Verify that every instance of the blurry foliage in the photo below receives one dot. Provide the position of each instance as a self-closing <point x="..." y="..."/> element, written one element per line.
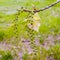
<point x="6" y="55"/>
<point x="55" y="52"/>
<point x="2" y="34"/>
<point x="50" y="24"/>
<point x="43" y="54"/>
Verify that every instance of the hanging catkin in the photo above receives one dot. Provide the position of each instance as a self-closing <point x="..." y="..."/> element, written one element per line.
<point x="33" y="28"/>
<point x="15" y="27"/>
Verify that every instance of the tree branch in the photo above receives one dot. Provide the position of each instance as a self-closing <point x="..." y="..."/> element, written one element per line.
<point x="47" y="7"/>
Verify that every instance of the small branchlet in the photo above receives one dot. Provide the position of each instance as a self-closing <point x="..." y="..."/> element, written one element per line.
<point x="42" y="9"/>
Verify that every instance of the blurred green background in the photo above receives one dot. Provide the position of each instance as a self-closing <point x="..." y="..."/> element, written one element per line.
<point x="50" y="26"/>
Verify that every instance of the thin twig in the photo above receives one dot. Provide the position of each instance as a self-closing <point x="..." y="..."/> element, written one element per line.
<point x="47" y="7"/>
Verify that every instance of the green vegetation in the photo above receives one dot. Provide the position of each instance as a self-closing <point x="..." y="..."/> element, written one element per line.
<point x="6" y="55"/>
<point x="13" y="30"/>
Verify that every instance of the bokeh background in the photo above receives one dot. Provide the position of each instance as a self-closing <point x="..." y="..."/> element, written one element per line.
<point x="14" y="42"/>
